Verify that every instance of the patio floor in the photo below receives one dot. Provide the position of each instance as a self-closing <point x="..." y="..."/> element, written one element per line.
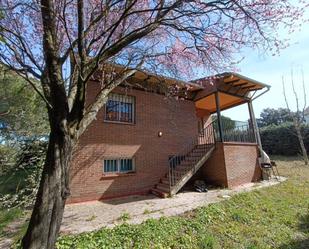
<point x="90" y="216"/>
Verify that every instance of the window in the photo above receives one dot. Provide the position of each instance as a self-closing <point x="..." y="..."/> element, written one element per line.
<point x="119" y="108"/>
<point x="122" y="165"/>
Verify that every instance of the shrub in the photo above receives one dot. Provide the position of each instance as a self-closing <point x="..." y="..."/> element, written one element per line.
<point x="24" y="177"/>
<point x="282" y="139"/>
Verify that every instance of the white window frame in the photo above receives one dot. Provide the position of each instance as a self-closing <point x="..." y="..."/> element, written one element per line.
<point x="118" y="160"/>
<point x="121" y="98"/>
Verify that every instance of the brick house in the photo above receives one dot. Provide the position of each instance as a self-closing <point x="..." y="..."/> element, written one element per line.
<point x="143" y="141"/>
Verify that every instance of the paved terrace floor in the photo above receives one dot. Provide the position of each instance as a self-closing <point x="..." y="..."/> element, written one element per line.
<point x="90" y="216"/>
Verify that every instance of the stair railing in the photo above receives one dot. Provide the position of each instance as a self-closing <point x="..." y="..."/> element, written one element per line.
<point x="205" y="140"/>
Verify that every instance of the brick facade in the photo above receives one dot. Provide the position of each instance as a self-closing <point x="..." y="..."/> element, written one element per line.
<point x="230" y="164"/>
<point x="241" y="163"/>
<point x="175" y="119"/>
<point x="214" y="171"/>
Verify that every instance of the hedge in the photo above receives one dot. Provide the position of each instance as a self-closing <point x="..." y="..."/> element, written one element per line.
<point x="282" y="139"/>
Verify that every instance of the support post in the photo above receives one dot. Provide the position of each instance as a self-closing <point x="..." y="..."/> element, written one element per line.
<point x="254" y="124"/>
<point x="219" y="117"/>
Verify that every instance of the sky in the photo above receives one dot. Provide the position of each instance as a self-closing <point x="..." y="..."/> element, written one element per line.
<point x="270" y="69"/>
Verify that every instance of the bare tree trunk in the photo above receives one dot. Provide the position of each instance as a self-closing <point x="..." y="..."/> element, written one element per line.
<point x="47" y="213"/>
<point x="301" y="143"/>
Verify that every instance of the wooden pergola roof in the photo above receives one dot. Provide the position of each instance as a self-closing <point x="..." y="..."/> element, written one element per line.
<point x="233" y="89"/>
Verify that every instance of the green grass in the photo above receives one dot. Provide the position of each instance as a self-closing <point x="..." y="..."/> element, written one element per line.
<point x="275" y="217"/>
<point x="7" y="216"/>
<point x="9" y="184"/>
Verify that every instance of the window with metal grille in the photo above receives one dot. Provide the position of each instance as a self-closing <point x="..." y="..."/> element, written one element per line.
<point x="119" y="108"/>
<point x="120" y="165"/>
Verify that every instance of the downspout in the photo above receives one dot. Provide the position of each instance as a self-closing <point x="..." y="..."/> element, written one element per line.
<point x="255" y="126"/>
<point x="268" y="88"/>
<point x="254" y="123"/>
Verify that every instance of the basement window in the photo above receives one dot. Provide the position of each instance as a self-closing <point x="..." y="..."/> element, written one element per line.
<point x="120" y="165"/>
<point x="119" y="108"/>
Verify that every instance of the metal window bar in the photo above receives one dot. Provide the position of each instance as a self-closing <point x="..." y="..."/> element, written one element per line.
<point x="118" y="165"/>
<point x="119" y="108"/>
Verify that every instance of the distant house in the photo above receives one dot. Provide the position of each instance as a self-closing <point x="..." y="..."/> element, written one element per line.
<point x="143" y="141"/>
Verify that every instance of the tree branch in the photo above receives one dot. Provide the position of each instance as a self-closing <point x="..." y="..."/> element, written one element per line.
<point x="92" y="109"/>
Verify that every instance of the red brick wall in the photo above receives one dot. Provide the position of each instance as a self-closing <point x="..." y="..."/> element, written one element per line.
<point x="176" y="119"/>
<point x="241" y="163"/>
<point x="232" y="164"/>
<point x="214" y="171"/>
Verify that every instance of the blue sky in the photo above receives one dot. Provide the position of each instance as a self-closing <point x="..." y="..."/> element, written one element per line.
<point x="270" y="69"/>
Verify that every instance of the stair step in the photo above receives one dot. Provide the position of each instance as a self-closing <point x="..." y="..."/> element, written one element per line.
<point x="165" y="181"/>
<point x="163" y="187"/>
<point x="184" y="168"/>
<point x="190" y="160"/>
<point x="181" y="173"/>
<point x="159" y="193"/>
<point x="202" y="148"/>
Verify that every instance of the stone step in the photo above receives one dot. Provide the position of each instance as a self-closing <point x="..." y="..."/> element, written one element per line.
<point x="165" y="180"/>
<point x="159" y="193"/>
<point x="163" y="187"/>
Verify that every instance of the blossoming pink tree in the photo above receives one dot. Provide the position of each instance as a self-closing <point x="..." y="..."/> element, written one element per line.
<point x="65" y="43"/>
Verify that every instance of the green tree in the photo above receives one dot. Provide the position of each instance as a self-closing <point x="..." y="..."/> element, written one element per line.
<point x="271" y="116"/>
<point x="22" y="111"/>
<point x="23" y="118"/>
<point x="227" y="123"/>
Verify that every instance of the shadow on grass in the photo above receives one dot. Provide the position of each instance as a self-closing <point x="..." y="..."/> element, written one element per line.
<point x="303" y="242"/>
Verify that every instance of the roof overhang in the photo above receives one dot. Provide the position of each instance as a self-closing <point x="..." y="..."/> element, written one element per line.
<point x="233" y="89"/>
<point x="148" y="81"/>
<point x="157" y="79"/>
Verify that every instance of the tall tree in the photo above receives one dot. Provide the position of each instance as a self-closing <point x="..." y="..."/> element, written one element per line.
<point x="298" y="117"/>
<point x="66" y="43"/>
<point x="22" y="113"/>
<point x="270" y="116"/>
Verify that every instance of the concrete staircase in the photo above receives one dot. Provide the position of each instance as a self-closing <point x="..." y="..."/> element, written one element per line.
<point x="181" y="173"/>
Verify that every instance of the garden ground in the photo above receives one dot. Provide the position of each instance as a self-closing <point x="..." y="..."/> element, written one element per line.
<point x="274" y="217"/>
<point x="90" y="216"/>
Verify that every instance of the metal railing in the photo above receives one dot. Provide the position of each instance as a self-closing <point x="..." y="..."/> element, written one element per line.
<point x="231" y="132"/>
<point x="243" y="133"/>
<point x="191" y="154"/>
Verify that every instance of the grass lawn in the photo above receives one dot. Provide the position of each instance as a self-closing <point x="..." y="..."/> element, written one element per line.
<point x="7" y="216"/>
<point x="275" y="217"/>
<point x="10" y="183"/>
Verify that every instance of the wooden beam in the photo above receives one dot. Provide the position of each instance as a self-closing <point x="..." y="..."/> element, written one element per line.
<point x="248" y="87"/>
<point x="238" y="86"/>
<point x="232" y="81"/>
